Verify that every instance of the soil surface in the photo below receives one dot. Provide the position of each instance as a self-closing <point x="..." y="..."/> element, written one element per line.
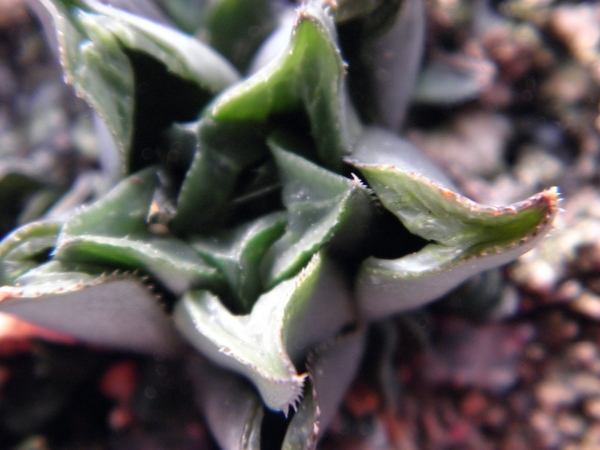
<point x="522" y="375"/>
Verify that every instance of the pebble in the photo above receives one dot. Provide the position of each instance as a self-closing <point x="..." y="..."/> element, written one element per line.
<point x="584" y="352"/>
<point x="570" y="424"/>
<point x="587" y="304"/>
<point x="592" y="408"/>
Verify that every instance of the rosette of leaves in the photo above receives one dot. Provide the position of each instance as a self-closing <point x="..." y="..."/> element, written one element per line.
<point x="265" y="194"/>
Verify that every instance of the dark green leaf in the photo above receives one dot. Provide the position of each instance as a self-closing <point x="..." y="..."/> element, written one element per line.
<point x="113" y="232"/>
<point x="331" y="368"/>
<point x="92" y="37"/>
<point x="237" y="253"/>
<point x="224" y="151"/>
<point x="384" y="57"/>
<point x="307" y="76"/>
<point x="319" y="203"/>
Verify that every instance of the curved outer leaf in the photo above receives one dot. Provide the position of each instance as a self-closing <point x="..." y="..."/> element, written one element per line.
<point x="307" y="75"/>
<point x="115" y="312"/>
<point x="467" y="238"/>
<point x="182" y="54"/>
<point x="318" y="203"/>
<point x="233" y="410"/>
<point x="284" y="323"/>
<point x="21" y="250"/>
<point x="113" y="232"/>
<point x="95" y="64"/>
<point x="331" y="367"/>
<point x="98" y="70"/>
<point x="237" y="253"/>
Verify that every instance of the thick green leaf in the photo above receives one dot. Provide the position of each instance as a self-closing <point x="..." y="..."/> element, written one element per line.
<point x="466" y="238"/>
<point x="283" y="324"/>
<point x="113" y="232"/>
<point x="225" y="151"/>
<point x="237" y="253"/>
<point x="25" y="248"/>
<point x="182" y="54"/>
<point x="92" y="38"/>
<point x="116" y="312"/>
<point x="98" y="70"/>
<point x="320" y="205"/>
<point x="307" y="76"/>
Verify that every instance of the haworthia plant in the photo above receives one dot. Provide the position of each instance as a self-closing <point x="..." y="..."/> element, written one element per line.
<point x="259" y="207"/>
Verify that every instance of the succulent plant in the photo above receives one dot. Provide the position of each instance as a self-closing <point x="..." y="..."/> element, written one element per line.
<point x="259" y="183"/>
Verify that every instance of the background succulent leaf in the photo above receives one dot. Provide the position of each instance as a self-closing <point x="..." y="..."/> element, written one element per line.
<point x="98" y="315"/>
<point x="25" y="248"/>
<point x="384" y="65"/>
<point x="303" y="430"/>
<point x="307" y="76"/>
<point x="187" y="14"/>
<point x="232" y="408"/>
<point x="346" y="10"/>
<point x="237" y="254"/>
<point x="441" y="83"/>
<point x="124" y="240"/>
<point x="331" y="367"/>
<point x="318" y="203"/>
<point x="466" y="238"/>
<point x="276" y="42"/>
<point x="378" y="146"/>
<point x="281" y="327"/>
<point x="236" y="28"/>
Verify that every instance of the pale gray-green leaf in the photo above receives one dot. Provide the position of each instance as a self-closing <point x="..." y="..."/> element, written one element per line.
<point x="118" y="313"/>
<point x="283" y="324"/>
<point x="229" y="404"/>
<point x="114" y="232"/>
<point x="466" y="238"/>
